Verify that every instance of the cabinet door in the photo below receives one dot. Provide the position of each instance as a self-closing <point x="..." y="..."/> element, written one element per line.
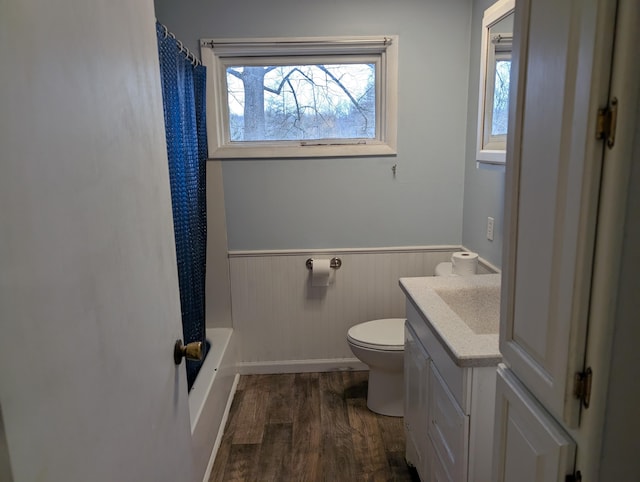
<point x="416" y="362"/>
<point x="448" y="428"/>
<point x="530" y="446"/>
<point x="553" y="172"/>
<point x="437" y="473"/>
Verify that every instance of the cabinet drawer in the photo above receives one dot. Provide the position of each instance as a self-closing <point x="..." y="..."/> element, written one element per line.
<point x="448" y="428"/>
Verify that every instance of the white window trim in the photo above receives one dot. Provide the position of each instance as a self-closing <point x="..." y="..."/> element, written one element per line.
<point x="214" y="51"/>
<point x="486" y="151"/>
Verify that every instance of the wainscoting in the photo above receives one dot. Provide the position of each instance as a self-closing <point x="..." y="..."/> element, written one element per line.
<point x="283" y="324"/>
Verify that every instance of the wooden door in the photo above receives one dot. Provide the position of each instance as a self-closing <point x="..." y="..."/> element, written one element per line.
<point x="89" y="302"/>
<point x="560" y="75"/>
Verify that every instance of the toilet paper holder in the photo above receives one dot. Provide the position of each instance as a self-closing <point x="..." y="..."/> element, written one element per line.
<point x="335" y="263"/>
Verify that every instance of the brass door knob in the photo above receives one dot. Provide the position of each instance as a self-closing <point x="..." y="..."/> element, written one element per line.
<point x="190" y="351"/>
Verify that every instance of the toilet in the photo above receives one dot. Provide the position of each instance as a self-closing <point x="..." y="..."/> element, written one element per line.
<point x="380" y="345"/>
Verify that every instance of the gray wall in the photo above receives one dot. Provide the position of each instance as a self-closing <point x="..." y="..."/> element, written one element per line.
<point x="354" y="202"/>
<point x="620" y="446"/>
<point x="484" y="184"/>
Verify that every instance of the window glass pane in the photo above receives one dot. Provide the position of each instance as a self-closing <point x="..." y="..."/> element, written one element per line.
<point x="301" y="102"/>
<point x="499" y="119"/>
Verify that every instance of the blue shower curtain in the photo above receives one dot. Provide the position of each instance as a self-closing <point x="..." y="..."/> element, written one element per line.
<point x="183" y="95"/>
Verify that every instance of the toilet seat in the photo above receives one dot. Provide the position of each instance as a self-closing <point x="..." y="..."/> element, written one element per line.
<point x="385" y="334"/>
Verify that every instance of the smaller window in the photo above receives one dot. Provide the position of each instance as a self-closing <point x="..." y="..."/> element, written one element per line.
<point x="301" y="97"/>
<point x="497" y="90"/>
<point x="495" y="71"/>
<point x="500" y="108"/>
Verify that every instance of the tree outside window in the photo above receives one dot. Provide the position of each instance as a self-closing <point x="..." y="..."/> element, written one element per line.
<point x="291" y="102"/>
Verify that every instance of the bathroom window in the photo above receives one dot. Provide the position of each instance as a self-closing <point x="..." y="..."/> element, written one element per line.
<point x="302" y="97"/>
<point x="497" y="91"/>
<point x="495" y="71"/>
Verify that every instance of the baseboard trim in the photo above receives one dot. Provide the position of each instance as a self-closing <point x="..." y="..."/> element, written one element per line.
<point x="491" y="268"/>
<point x="223" y="424"/>
<point x="300" y="366"/>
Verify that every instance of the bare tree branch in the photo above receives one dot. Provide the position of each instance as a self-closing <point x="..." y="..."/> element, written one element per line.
<point x="345" y="90"/>
<point x="235" y="73"/>
<point x="295" y="98"/>
<point x="285" y="79"/>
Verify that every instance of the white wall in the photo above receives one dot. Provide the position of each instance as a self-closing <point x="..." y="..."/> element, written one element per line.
<point x="353" y="202"/>
<point x="483" y="185"/>
<point x="217" y="284"/>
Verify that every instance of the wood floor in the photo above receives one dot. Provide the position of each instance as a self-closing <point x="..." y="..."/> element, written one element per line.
<point x="309" y="427"/>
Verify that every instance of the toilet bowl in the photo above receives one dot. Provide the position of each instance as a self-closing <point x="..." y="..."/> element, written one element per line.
<point x="380" y="345"/>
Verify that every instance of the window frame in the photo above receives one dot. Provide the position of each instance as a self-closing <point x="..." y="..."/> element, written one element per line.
<point x="216" y="54"/>
<point x="490" y="150"/>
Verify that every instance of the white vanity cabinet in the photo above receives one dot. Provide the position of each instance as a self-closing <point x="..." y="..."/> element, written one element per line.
<point x="449" y="408"/>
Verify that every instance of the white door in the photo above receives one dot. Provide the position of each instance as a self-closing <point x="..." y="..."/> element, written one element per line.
<point x="89" y="303"/>
<point x="530" y="445"/>
<point x="553" y="174"/>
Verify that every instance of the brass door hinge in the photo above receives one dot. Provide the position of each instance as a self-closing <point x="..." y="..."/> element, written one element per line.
<point x="582" y="386"/>
<point x="577" y="477"/>
<point x="606" y="123"/>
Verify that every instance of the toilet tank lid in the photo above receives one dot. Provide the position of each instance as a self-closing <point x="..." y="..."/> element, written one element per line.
<point x="384" y="332"/>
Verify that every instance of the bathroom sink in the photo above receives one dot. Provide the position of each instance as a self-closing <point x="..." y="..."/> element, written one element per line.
<point x="477" y="306"/>
<point x="462" y="312"/>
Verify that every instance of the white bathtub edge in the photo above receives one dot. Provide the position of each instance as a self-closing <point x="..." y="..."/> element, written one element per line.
<point x="208" y="399"/>
<point x="223" y="424"/>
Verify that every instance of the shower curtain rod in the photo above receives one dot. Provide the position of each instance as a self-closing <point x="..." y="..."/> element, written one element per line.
<point x="188" y="53"/>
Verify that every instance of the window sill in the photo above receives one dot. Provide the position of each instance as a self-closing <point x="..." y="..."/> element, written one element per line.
<point x="486" y="156"/>
<point x="270" y="151"/>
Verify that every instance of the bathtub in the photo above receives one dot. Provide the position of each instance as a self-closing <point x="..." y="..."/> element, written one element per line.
<point x="210" y="399"/>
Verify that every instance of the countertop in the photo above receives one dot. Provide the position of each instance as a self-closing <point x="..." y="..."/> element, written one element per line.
<point x="467" y="347"/>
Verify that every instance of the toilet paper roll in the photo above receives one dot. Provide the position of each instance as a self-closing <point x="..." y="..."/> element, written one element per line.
<point x="320" y="272"/>
<point x="464" y="263"/>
